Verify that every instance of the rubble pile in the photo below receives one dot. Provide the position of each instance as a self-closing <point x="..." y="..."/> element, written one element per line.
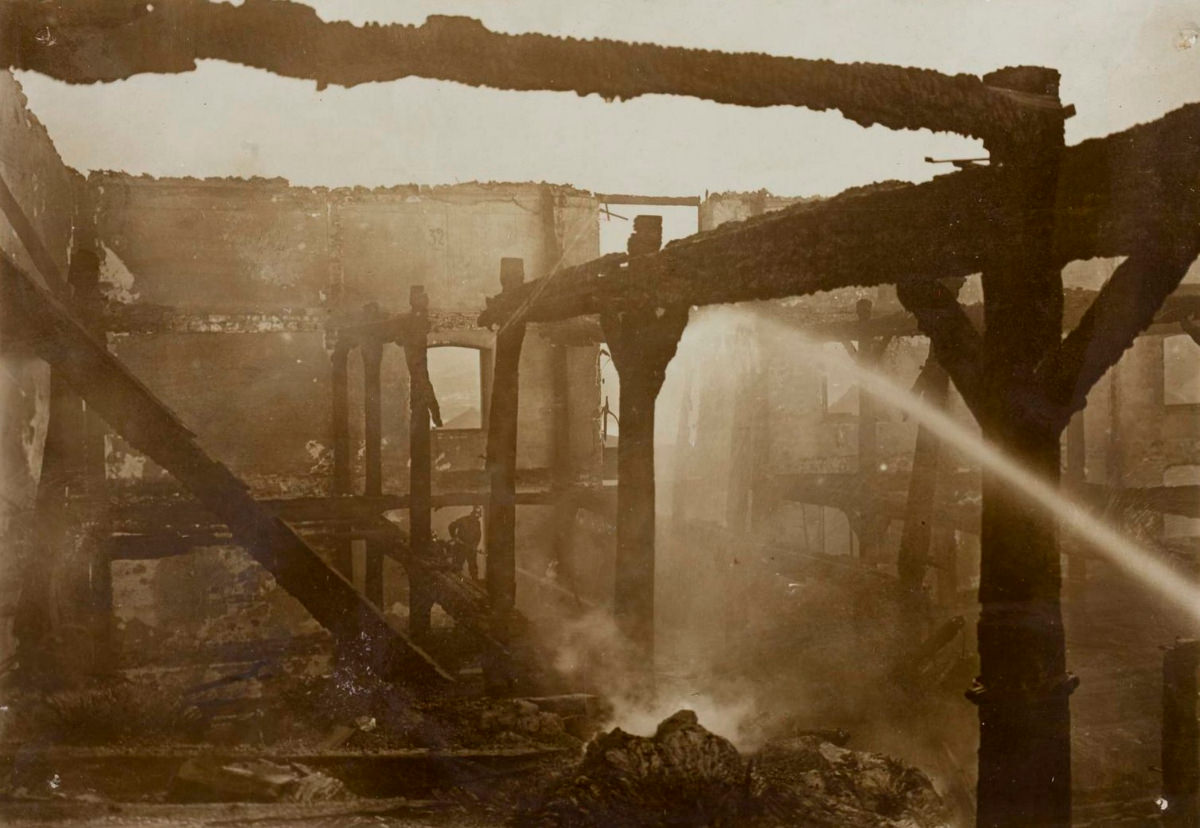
<point x="686" y="776"/>
<point x="833" y="786"/>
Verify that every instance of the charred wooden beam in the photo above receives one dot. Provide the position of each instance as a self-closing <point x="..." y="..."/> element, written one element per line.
<point x="917" y="535"/>
<point x="353" y="510"/>
<point x="1074" y="479"/>
<point x="340" y="427"/>
<point x="1180" y="736"/>
<point x="150" y="318"/>
<point x="834" y="324"/>
<point x="422" y="406"/>
<point x="148" y="425"/>
<point x="89" y="42"/>
<point x="501" y="575"/>
<point x="1023" y="688"/>
<point x="372" y="365"/>
<point x="1124" y="308"/>
<point x="1114" y="195"/>
<point x="642" y="343"/>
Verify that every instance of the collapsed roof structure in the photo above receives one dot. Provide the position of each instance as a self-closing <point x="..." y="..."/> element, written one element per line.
<point x="1037" y="206"/>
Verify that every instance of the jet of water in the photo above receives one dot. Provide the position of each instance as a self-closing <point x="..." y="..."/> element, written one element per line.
<point x="1127" y="555"/>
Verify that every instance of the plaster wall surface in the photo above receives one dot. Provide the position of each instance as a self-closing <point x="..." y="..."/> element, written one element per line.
<point x="266" y="264"/>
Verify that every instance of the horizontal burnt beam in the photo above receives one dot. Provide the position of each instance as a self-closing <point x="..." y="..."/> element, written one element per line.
<point x="189" y="516"/>
<point x="648" y="201"/>
<point x="1115" y="195"/>
<point x="815" y="320"/>
<point x="89" y="42"/>
<point x="144" y="318"/>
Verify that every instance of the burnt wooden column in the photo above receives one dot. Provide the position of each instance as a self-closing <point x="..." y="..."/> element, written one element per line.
<point x="642" y="343"/>
<point x="502" y="453"/>
<point x="868" y="441"/>
<point x="565" y="504"/>
<point x="501" y="573"/>
<point x="339" y="361"/>
<point x="422" y="406"/>
<point x="1076" y="479"/>
<point x="917" y="535"/>
<point x="1181" y="735"/>
<point x="372" y="362"/>
<point x="1023" y="689"/>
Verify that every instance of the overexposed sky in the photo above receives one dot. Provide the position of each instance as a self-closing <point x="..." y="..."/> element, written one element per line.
<point x="1123" y="62"/>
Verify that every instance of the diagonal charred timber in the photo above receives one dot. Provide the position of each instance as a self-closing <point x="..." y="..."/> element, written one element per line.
<point x="141" y="419"/>
<point x="87" y="42"/>
<point x="1114" y="195"/>
<point x="1125" y="307"/>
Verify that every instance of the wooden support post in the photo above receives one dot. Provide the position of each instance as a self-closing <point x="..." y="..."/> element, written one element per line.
<point x="1023" y="691"/>
<point x="372" y="362"/>
<point x="1075" y="481"/>
<point x="868" y="444"/>
<point x="1181" y="736"/>
<point x="922" y="491"/>
<point x="422" y="404"/>
<point x="564" y="506"/>
<point x="339" y="366"/>
<point x="642" y="343"/>
<point x="945" y="547"/>
<point x="340" y="421"/>
<point x="501" y="461"/>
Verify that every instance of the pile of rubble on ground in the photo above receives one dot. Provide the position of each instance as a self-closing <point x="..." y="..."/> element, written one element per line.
<point x="686" y="776"/>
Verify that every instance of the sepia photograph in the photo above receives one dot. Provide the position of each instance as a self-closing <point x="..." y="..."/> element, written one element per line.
<point x="626" y="414"/>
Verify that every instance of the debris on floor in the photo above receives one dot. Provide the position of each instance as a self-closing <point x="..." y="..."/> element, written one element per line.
<point x="205" y="780"/>
<point x="685" y="775"/>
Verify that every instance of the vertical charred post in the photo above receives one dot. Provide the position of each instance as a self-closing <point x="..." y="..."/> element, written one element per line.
<point x="1076" y="480"/>
<point x="1181" y="735"/>
<point x="339" y="361"/>
<point x="501" y="461"/>
<point x="565" y="506"/>
<point x="372" y="362"/>
<point x="642" y="343"/>
<point x="868" y="441"/>
<point x="1023" y="689"/>
<point x="917" y="536"/>
<point x="422" y="407"/>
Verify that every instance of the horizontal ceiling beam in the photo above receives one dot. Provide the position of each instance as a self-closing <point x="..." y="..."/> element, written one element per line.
<point x="85" y="42"/>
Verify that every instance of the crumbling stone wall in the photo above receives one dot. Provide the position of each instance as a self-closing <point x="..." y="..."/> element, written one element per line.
<point x="44" y="188"/>
<point x="269" y="263"/>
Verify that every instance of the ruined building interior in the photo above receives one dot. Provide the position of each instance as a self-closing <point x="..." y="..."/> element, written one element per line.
<point x="445" y="503"/>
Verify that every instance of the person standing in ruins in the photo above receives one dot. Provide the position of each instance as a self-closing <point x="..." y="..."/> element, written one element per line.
<point x="465" y="534"/>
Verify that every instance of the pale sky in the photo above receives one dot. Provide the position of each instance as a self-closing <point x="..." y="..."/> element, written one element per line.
<point x="1123" y="62"/>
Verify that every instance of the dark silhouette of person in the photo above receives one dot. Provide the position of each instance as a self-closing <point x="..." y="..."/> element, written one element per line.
<point x="465" y="534"/>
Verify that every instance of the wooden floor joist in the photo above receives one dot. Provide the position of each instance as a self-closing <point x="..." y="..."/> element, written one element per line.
<point x="50" y="329"/>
